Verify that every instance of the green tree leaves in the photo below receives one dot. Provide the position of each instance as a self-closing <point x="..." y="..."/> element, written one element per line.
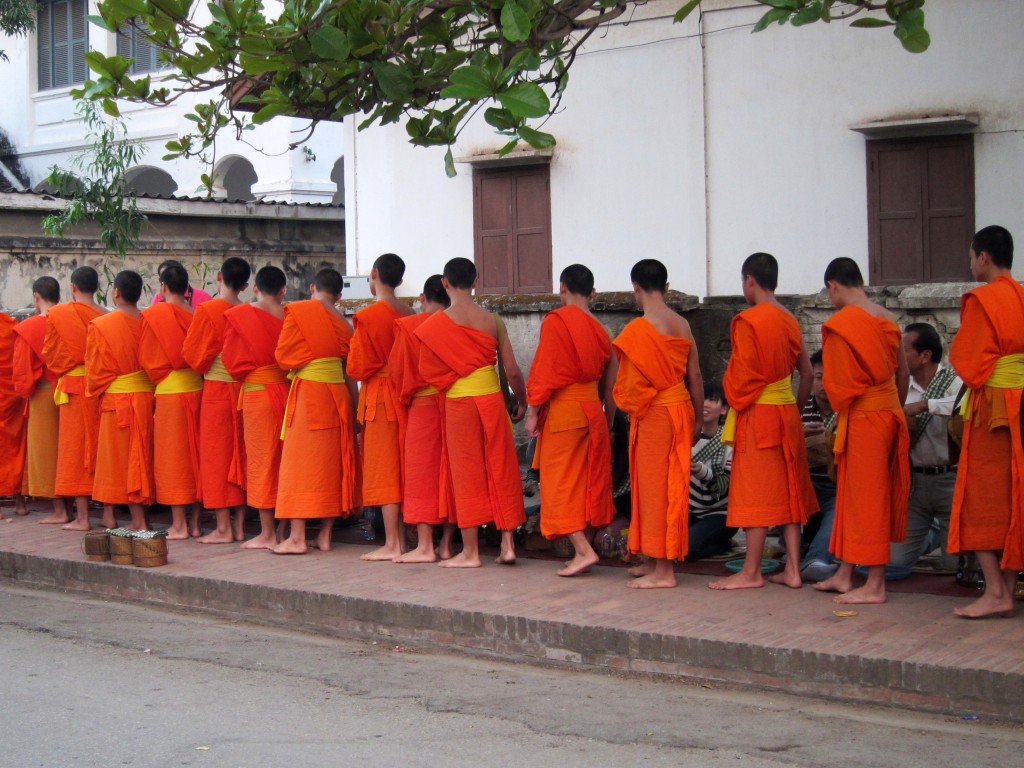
<point x="905" y="16"/>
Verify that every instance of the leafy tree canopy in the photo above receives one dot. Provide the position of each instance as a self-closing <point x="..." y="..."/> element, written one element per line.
<point x="17" y="17"/>
<point x="433" y="63"/>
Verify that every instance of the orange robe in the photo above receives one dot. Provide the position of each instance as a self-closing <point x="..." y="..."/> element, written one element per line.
<point x="35" y="382"/>
<point x="63" y="350"/>
<point x="12" y="415"/>
<point x="124" y="448"/>
<point x="481" y="452"/>
<point x="378" y="409"/>
<point x="988" y="503"/>
<point x="573" y="450"/>
<point x="176" y="416"/>
<point x="250" y="338"/>
<point x="872" y="445"/>
<point x="319" y="474"/>
<point x="649" y="387"/>
<point x="221" y="442"/>
<point x="427" y="494"/>
<point x="771" y="483"/>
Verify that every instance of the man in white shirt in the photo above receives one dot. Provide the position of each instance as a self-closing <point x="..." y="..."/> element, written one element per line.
<point x="930" y="401"/>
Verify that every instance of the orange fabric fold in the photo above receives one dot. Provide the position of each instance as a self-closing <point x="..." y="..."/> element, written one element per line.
<point x="124" y="448"/>
<point x="988" y="502"/>
<point x="427" y="494"/>
<point x="34" y="381"/>
<point x="250" y="339"/>
<point x="221" y="439"/>
<point x="67" y="326"/>
<point x="319" y="467"/>
<point x="176" y="416"/>
<point x="573" y="449"/>
<point x="378" y="408"/>
<point x="482" y="458"/>
<point x="649" y="388"/>
<point x="12" y="414"/>
<point x="872" y="465"/>
<point x="770" y="483"/>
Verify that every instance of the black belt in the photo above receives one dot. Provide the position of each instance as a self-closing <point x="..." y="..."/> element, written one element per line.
<point x="935" y="470"/>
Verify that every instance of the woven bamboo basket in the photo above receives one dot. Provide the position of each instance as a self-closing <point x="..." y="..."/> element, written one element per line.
<point x="149" y="553"/>
<point x="120" y="550"/>
<point x="96" y="545"/>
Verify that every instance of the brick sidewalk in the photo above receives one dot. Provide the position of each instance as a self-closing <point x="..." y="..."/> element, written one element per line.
<point x="910" y="652"/>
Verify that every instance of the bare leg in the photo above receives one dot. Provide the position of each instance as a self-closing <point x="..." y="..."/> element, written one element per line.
<point x="323" y="540"/>
<point x="283" y="530"/>
<point x="238" y="523"/>
<point x="841" y="581"/>
<point x="663" y="576"/>
<point x="222" y="533"/>
<point x="59" y="516"/>
<point x="469" y="557"/>
<point x="108" y="520"/>
<point x="871" y="592"/>
<point x="646" y="568"/>
<point x="585" y="556"/>
<point x="179" y="523"/>
<point x="138" y="512"/>
<point x="997" y="600"/>
<point x="790" y="576"/>
<point x="424" y="552"/>
<point x="507" y="554"/>
<point x="394" y="535"/>
<point x="267" y="538"/>
<point x="193" y="521"/>
<point x="295" y="544"/>
<point x="81" y="521"/>
<point x="749" y="576"/>
<point x="444" y="549"/>
<point x="20" y="508"/>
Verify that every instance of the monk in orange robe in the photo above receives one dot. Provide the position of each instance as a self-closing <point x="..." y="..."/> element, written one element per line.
<point x="221" y="442"/>
<point x="35" y="382"/>
<point x="458" y="353"/>
<point x="659" y="385"/>
<point x="572" y="373"/>
<point x="251" y="332"/>
<point x="12" y="421"/>
<point x="988" y="354"/>
<point x="179" y="391"/>
<point x="427" y="495"/>
<point x="319" y="468"/>
<point x="866" y="377"/>
<point x="771" y="482"/>
<point x="113" y="373"/>
<point x="378" y="410"/>
<point x="64" y="354"/>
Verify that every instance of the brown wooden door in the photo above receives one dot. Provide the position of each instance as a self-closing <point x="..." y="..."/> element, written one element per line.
<point x="512" y="223"/>
<point x="920" y="209"/>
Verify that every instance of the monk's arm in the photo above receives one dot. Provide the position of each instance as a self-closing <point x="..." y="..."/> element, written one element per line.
<point x="607" y="386"/>
<point x="695" y="385"/>
<point x="803" y="367"/>
<point x="902" y="374"/>
<point x="515" y="377"/>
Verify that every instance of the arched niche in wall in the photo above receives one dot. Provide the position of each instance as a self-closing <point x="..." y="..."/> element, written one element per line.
<point x="150" y="181"/>
<point x="338" y="177"/>
<point x="233" y="179"/>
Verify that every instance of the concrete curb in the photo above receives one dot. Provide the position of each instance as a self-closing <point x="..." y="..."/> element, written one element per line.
<point x="760" y="662"/>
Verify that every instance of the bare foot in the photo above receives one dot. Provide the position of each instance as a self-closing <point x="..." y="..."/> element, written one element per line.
<point x="268" y="541"/>
<point x="461" y="561"/>
<point x="444" y="553"/>
<point x="217" y="537"/>
<point x="19" y="508"/>
<point x="417" y="556"/>
<point x="865" y="595"/>
<point x="289" y="547"/>
<point x="175" y="534"/>
<point x="787" y="579"/>
<point x="77" y="525"/>
<point x="579" y="565"/>
<point x="738" y="581"/>
<point x="195" y="532"/>
<point x="381" y="554"/>
<point x="645" y="568"/>
<point x="57" y="518"/>
<point x="835" y="584"/>
<point x="987" y="607"/>
<point x="653" y="581"/>
<point x="504" y="559"/>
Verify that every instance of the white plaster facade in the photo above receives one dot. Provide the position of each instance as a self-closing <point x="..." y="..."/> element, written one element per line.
<point x="701" y="149"/>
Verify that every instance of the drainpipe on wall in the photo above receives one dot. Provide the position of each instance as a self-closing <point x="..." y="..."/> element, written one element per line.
<point x="707" y="192"/>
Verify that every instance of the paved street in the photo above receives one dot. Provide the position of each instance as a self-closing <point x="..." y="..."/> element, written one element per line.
<point x="93" y="682"/>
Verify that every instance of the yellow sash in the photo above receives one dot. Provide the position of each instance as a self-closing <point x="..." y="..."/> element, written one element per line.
<point x="259" y="378"/>
<point x="218" y="372"/>
<point x="180" y="381"/>
<point x="60" y="397"/>
<point x="1008" y="374"/>
<point x="427" y="391"/>
<point x="581" y="392"/>
<point x="777" y="393"/>
<point x="136" y="381"/>
<point x="325" y="370"/>
<point x="482" y="381"/>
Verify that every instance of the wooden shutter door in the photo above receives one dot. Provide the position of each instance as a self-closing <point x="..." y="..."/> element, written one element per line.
<point x="492" y="218"/>
<point x="533" y="231"/>
<point x="948" y="208"/>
